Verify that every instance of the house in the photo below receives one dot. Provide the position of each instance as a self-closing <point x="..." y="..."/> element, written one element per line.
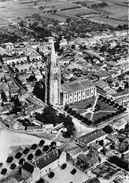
<point x="90" y="159"/>
<point x="91" y="137"/>
<point x="93" y="180"/>
<point x="115" y="137"/>
<point x="73" y="150"/>
<point x="118" y="125"/>
<point x="9" y="46"/>
<point x="43" y="165"/>
<point x="95" y="147"/>
<point x="28" y="170"/>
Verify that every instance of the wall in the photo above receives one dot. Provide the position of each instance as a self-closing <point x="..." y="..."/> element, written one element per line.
<point x="79" y="95"/>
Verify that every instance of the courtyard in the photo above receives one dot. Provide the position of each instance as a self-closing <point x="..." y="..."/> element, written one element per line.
<point x="64" y="176"/>
<point x="85" y="108"/>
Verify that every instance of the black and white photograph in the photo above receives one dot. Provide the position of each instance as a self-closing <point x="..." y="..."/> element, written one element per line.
<point x="64" y="91"/>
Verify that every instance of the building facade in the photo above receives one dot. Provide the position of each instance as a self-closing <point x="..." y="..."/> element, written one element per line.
<point x="57" y="94"/>
<point x="76" y="91"/>
<point x="43" y="165"/>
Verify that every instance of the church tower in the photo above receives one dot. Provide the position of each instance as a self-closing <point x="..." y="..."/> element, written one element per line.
<point x="53" y="80"/>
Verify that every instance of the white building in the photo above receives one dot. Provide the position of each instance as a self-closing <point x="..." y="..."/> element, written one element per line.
<point x="76" y="91"/>
<point x="44" y="165"/>
<point x="120" y="124"/>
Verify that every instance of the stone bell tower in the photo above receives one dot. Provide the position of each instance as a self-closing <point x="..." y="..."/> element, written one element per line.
<point x="53" y="79"/>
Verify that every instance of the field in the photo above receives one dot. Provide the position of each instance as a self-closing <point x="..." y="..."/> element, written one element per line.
<point x="56" y="16"/>
<point x="115" y="11"/>
<point x="104" y="20"/>
<point x="3" y="21"/>
<point x="80" y="11"/>
<point x="57" y="5"/>
<point x="11" y="9"/>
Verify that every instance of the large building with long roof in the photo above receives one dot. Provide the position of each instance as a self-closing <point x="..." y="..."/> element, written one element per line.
<point x="32" y="171"/>
<point x="61" y="94"/>
<point x="76" y="91"/>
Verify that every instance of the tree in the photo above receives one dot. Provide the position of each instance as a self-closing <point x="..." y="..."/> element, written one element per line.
<point x="18" y="155"/>
<point x="112" y="146"/>
<point x="101" y="142"/>
<point x="41" y="143"/>
<point x="108" y="129"/>
<point x="13" y="166"/>
<point x="69" y="110"/>
<point x="68" y="121"/>
<point x="21" y="23"/>
<point x="3" y="171"/>
<point x="68" y="20"/>
<point x="103" y="151"/>
<point x="3" y="96"/>
<point x="63" y="166"/>
<point x="38" y="152"/>
<point x="53" y="144"/>
<point x="40" y="181"/>
<point x="30" y="157"/>
<point x="21" y="161"/>
<point x="45" y="148"/>
<point x="26" y="150"/>
<point x="51" y="174"/>
<point x="9" y="159"/>
<point x="34" y="146"/>
<point x="66" y="107"/>
<point x="119" y="162"/>
<point x="73" y="171"/>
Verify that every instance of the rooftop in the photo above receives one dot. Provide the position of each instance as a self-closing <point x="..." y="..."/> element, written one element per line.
<point x="75" y="86"/>
<point x="91" y="136"/>
<point x="93" y="180"/>
<point x="47" y="159"/>
<point x="28" y="167"/>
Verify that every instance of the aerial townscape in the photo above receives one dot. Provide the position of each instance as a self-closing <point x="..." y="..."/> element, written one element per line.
<point x="64" y="91"/>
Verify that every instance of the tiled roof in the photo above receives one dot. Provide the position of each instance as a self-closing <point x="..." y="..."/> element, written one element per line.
<point x="93" y="180"/>
<point x="47" y="159"/>
<point x="28" y="167"/>
<point x="90" y="137"/>
<point x="75" y="86"/>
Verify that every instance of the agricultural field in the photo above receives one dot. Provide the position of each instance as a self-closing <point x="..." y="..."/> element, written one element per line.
<point x="56" y="16"/>
<point x="104" y="20"/>
<point x="3" y="21"/>
<point x="115" y="11"/>
<point x="76" y="12"/>
<point x="17" y="11"/>
<point x="99" y="1"/>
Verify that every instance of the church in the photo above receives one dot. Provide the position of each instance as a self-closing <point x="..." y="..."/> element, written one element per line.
<point x="61" y="94"/>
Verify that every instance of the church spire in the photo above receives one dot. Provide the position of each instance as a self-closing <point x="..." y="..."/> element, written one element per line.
<point x="53" y="55"/>
<point x="53" y="77"/>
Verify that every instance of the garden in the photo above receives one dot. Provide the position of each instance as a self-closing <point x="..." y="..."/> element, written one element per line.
<point x="104" y="110"/>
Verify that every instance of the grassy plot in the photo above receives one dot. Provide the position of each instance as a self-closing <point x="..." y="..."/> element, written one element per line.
<point x="55" y="17"/>
<point x="3" y="21"/>
<point x="115" y="1"/>
<point x="107" y="21"/>
<point x="17" y="12"/>
<point x="57" y="5"/>
<point x="114" y="11"/>
<point x="80" y="11"/>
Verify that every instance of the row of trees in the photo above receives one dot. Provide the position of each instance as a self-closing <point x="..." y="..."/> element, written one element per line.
<point x="30" y="156"/>
<point x="119" y="162"/>
<point x="120" y="109"/>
